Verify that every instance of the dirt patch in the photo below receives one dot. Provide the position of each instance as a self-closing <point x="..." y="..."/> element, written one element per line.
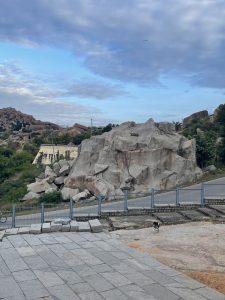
<point x="214" y="280"/>
<point x="196" y="249"/>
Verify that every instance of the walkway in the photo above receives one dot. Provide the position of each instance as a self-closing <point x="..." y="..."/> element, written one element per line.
<point x="88" y="266"/>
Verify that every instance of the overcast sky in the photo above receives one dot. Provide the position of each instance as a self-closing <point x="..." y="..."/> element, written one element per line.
<point x="69" y="61"/>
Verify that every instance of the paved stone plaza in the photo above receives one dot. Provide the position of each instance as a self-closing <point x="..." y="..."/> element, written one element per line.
<point x="88" y="266"/>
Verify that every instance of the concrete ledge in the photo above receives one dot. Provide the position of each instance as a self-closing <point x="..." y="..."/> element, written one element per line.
<point x="24" y="230"/>
<point x="46" y="227"/>
<point x="95" y="225"/>
<point x="84" y="227"/>
<point x="74" y="226"/>
<point x="66" y="228"/>
<point x="56" y="227"/>
<point x="2" y="233"/>
<point x="35" y="228"/>
<point x="11" y="231"/>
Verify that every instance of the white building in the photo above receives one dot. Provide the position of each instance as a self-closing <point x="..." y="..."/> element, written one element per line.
<point x="50" y="153"/>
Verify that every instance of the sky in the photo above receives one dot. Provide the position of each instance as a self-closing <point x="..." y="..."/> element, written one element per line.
<point x="110" y="60"/>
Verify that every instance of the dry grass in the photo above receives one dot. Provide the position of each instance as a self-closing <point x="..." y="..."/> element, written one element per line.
<point x="213" y="280"/>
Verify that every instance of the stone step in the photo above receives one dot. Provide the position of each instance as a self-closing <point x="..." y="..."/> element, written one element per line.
<point x="170" y="218"/>
<point x="35" y="228"/>
<point x="74" y="226"/>
<point x="24" y="230"/>
<point x="219" y="208"/>
<point x="95" y="225"/>
<point x="66" y="227"/>
<point x="211" y="212"/>
<point x="84" y="227"/>
<point x="194" y="215"/>
<point x="2" y="233"/>
<point x="56" y="227"/>
<point x="11" y="231"/>
<point x="46" y="227"/>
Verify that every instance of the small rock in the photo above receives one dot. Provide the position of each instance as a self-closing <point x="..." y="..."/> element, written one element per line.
<point x="49" y="172"/>
<point x="81" y="196"/>
<point x="59" y="180"/>
<point x="64" y="171"/>
<point x="68" y="193"/>
<point x="31" y="196"/>
<point x="211" y="168"/>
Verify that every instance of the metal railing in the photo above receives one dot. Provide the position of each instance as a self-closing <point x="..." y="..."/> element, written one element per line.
<point x="24" y="215"/>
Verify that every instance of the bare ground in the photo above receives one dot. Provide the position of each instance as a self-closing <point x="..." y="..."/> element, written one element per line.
<point x="196" y="249"/>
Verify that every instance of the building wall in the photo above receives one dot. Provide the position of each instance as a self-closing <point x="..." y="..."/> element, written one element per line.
<point x="48" y="154"/>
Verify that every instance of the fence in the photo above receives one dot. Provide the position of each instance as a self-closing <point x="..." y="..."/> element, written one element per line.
<point x="23" y="215"/>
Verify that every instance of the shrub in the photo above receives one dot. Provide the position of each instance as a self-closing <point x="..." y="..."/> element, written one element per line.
<point x="54" y="197"/>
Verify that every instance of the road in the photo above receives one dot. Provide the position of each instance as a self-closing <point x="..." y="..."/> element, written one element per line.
<point x="186" y="195"/>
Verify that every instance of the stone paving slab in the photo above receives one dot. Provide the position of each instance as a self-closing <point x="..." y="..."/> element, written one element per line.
<point x="194" y="215"/>
<point x="211" y="212"/>
<point x="77" y="265"/>
<point x="219" y="208"/>
<point x="170" y="218"/>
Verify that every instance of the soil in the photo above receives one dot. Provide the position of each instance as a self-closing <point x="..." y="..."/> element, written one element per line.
<point x="196" y="249"/>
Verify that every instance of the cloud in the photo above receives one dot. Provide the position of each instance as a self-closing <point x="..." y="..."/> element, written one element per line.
<point x="18" y="89"/>
<point x="186" y="38"/>
<point x="86" y="88"/>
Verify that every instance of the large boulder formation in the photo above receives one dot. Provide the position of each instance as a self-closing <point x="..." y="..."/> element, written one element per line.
<point x="136" y="157"/>
<point x="196" y="116"/>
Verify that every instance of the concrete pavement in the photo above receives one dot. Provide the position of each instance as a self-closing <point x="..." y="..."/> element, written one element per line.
<point x="88" y="266"/>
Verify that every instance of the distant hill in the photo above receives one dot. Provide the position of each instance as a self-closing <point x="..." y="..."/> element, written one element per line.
<point x="18" y="128"/>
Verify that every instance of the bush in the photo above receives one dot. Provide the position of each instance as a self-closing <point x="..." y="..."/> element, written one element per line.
<point x="54" y="197"/>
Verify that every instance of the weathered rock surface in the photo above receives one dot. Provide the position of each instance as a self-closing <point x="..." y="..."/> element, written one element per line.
<point x="210" y="168"/>
<point x="68" y="193"/>
<point x="81" y="196"/>
<point x="64" y="171"/>
<point x="135" y="156"/>
<point x="59" y="180"/>
<point x="40" y="187"/>
<point x="196" y="116"/>
<point x="31" y="196"/>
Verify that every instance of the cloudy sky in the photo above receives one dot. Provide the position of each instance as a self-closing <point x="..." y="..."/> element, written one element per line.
<point x="111" y="60"/>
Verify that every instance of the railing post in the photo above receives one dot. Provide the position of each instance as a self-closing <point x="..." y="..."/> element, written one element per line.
<point x="203" y="195"/>
<point x="42" y="213"/>
<point x="125" y="200"/>
<point x="71" y="209"/>
<point x="14" y="216"/>
<point x="177" y="196"/>
<point x="152" y="204"/>
<point x="100" y="197"/>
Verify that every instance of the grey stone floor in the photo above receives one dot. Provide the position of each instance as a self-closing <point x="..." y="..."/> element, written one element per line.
<point x="88" y="266"/>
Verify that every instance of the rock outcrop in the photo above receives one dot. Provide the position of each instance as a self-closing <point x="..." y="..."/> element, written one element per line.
<point x="136" y="157"/>
<point x="196" y="116"/>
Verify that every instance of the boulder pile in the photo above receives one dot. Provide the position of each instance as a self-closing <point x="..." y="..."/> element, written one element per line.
<point x="134" y="157"/>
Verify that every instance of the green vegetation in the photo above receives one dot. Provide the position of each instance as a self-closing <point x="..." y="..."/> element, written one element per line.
<point x="54" y="197"/>
<point x="16" y="171"/>
<point x="210" y="139"/>
<point x="66" y="138"/>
